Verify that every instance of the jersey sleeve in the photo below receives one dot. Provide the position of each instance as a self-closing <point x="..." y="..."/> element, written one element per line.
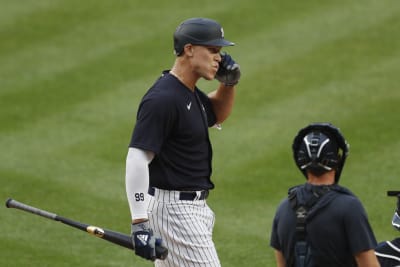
<point x="274" y="238"/>
<point x="359" y="232"/>
<point x="154" y="122"/>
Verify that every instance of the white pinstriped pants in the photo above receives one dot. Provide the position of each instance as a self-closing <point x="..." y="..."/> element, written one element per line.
<point x="186" y="229"/>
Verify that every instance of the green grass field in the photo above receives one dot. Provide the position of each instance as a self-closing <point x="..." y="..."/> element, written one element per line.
<point x="73" y="72"/>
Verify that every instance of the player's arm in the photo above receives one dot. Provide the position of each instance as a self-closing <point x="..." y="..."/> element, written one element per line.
<point x="222" y="101"/>
<point x="137" y="182"/>
<point x="280" y="260"/>
<point x="223" y="98"/>
<point x="367" y="259"/>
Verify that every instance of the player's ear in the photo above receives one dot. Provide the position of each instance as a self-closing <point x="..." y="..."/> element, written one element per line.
<point x="188" y="48"/>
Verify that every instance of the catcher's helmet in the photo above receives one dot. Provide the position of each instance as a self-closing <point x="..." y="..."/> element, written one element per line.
<point x="396" y="220"/>
<point x="319" y="148"/>
<point x="396" y="216"/>
<point x="199" y="31"/>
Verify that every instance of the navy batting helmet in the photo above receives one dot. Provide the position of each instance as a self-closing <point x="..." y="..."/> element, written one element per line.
<point x="199" y="31"/>
<point x="319" y="148"/>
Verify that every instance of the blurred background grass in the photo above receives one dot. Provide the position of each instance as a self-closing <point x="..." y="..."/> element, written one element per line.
<point x="73" y="72"/>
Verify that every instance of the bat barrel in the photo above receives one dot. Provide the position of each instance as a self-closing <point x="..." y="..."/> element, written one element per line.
<point x="11" y="203"/>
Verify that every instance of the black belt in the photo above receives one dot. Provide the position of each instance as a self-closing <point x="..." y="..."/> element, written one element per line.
<point x="186" y="195"/>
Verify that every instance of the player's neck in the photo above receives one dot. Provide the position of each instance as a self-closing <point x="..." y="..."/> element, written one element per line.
<point x="327" y="178"/>
<point x="184" y="75"/>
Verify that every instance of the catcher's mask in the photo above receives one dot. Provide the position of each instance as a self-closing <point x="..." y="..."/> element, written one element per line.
<point x="319" y="148"/>
<point x="396" y="216"/>
<point x="396" y="220"/>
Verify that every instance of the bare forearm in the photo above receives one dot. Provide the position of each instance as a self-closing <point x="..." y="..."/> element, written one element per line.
<point x="280" y="260"/>
<point x="222" y="100"/>
<point x="367" y="259"/>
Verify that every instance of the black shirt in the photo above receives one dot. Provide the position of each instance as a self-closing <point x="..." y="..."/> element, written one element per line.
<point x="337" y="227"/>
<point x="172" y="121"/>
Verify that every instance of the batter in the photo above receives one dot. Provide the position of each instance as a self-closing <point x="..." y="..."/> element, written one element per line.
<point x="169" y="162"/>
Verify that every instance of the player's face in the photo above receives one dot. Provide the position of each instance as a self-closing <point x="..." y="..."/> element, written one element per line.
<point x="205" y="60"/>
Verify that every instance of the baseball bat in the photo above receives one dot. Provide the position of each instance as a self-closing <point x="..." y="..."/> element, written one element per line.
<point x="108" y="235"/>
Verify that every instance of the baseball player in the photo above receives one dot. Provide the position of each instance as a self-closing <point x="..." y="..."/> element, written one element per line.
<point x="332" y="220"/>
<point x="388" y="252"/>
<point x="168" y="166"/>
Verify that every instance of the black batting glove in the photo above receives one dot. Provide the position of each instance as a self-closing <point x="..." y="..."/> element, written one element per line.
<point x="144" y="241"/>
<point x="229" y="71"/>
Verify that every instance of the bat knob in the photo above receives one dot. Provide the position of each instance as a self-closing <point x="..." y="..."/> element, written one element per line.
<point x="8" y="202"/>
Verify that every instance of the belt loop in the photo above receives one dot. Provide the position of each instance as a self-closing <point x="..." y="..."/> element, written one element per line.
<point x="151" y="191"/>
<point x="198" y="195"/>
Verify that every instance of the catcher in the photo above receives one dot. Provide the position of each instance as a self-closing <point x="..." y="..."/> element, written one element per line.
<point x="388" y="252"/>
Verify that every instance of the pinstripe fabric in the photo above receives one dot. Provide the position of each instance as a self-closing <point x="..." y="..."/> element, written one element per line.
<point x="186" y="229"/>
